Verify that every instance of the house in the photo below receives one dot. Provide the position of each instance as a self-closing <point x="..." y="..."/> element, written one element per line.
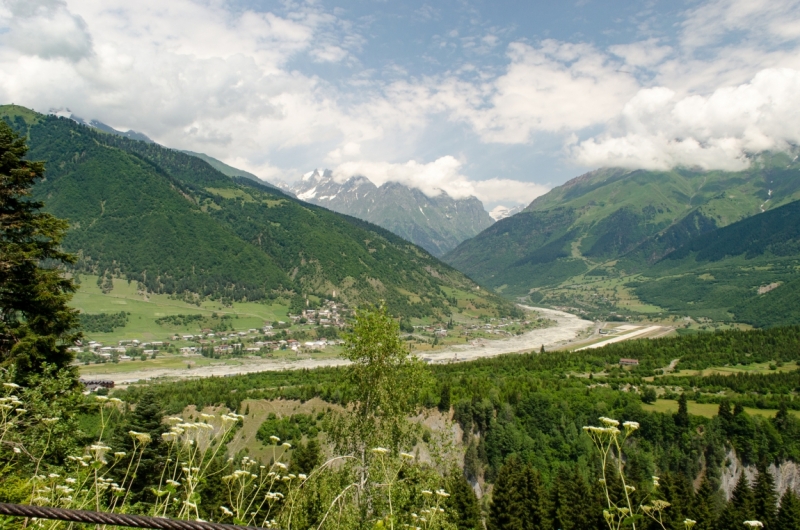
<point x="629" y="362"/>
<point x="440" y="332"/>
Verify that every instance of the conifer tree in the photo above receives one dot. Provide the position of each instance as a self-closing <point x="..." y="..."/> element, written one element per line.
<point x="534" y="502"/>
<point x="572" y="506"/>
<point x="36" y="326"/>
<point x="703" y="509"/>
<point x="765" y="498"/>
<point x="682" y="416"/>
<point x="739" y="508"/>
<point x="504" y="513"/>
<point x="305" y="457"/>
<point x="789" y="512"/>
<point x="146" y="418"/>
<point x="465" y="512"/>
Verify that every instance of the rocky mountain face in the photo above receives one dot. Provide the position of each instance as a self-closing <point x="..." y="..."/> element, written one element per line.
<point x="437" y="224"/>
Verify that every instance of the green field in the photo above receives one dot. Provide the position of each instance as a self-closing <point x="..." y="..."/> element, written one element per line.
<point x="144" y="310"/>
<point x="709" y="410"/>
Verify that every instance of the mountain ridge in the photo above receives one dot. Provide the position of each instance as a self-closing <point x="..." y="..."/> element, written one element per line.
<point x="175" y="225"/>
<point x="437" y="223"/>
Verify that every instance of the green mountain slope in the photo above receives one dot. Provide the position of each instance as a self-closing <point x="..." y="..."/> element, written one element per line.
<point x="747" y="271"/>
<point x="227" y="170"/>
<point x="617" y="222"/>
<point x="175" y="225"/>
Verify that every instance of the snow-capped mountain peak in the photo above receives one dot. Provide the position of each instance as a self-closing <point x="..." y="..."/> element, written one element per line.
<point x="501" y="212"/>
<point x="437" y="223"/>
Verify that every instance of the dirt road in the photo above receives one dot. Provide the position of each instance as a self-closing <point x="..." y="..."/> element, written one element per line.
<point x="566" y="328"/>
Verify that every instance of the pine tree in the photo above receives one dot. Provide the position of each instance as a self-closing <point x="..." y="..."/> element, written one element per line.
<point x="465" y="512"/>
<point x="739" y="507"/>
<point x="36" y="325"/>
<point x="682" y="416"/>
<point x="765" y="498"/>
<point x="572" y="506"/>
<point x="534" y="500"/>
<point x="704" y="507"/>
<point x="789" y="513"/>
<point x="519" y="501"/>
<point x="305" y="457"/>
<point x="146" y="418"/>
<point x="504" y="512"/>
<point x="444" y="399"/>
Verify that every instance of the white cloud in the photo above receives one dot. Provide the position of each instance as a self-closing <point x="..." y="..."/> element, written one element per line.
<point x="554" y="87"/>
<point x="45" y="29"/>
<point x="658" y="130"/>
<point x="643" y="54"/>
<point x="443" y="174"/>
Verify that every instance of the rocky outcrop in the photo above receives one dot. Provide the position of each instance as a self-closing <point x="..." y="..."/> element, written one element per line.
<point x="786" y="475"/>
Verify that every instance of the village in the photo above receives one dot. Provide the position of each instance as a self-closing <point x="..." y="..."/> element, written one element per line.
<point x="313" y="332"/>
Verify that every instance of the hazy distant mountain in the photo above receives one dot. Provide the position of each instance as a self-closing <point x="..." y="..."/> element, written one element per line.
<point x="501" y="212"/>
<point x="437" y="224"/>
<point x="230" y="171"/>
<point x="133" y="135"/>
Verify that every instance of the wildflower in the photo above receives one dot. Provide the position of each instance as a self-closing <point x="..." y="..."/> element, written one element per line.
<point x="17" y="450"/>
<point x="302" y="476"/>
<point x="609" y="422"/>
<point x="408" y="456"/>
<point x="281" y="465"/>
<point x="380" y="450"/>
<point x="141" y="437"/>
<point x="274" y="439"/>
<point x="659" y="505"/>
<point x="427" y="492"/>
<point x="631" y="426"/>
<point x="101" y="398"/>
<point x="120" y="454"/>
<point x="209" y="417"/>
<point x="22" y="411"/>
<point x="286" y="445"/>
<point x="292" y="476"/>
<point x="70" y="480"/>
<point x="115" y="400"/>
<point x="173" y="482"/>
<point x="11" y="385"/>
<point x="442" y="493"/>
<point x="689" y="523"/>
<point x="226" y="511"/>
<point x="630" y="489"/>
<point x="754" y="524"/>
<point x="53" y="475"/>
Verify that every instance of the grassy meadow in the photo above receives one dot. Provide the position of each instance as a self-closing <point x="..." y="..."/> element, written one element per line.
<point x="145" y="309"/>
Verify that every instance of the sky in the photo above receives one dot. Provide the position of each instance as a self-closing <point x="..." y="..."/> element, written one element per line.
<point x="497" y="99"/>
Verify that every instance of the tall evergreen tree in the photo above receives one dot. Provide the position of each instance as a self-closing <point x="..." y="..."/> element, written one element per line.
<point x="462" y="503"/>
<point x="519" y="501"/>
<point x="765" y="498"/>
<point x="305" y="457"/>
<point x="36" y="326"/>
<point x="682" y="416"/>
<point x="572" y="505"/>
<point x="789" y="512"/>
<point x="739" y="508"/>
<point x="503" y="510"/>
<point x="534" y="501"/>
<point x="444" y="399"/>
<point x="145" y="418"/>
<point x="703" y="510"/>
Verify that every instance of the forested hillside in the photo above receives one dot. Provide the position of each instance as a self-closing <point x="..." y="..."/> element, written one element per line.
<point x="521" y="413"/>
<point x="747" y="269"/>
<point x="603" y="238"/>
<point x="173" y="224"/>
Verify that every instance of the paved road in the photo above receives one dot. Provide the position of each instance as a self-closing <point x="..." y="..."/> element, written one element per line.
<point x="566" y="328"/>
